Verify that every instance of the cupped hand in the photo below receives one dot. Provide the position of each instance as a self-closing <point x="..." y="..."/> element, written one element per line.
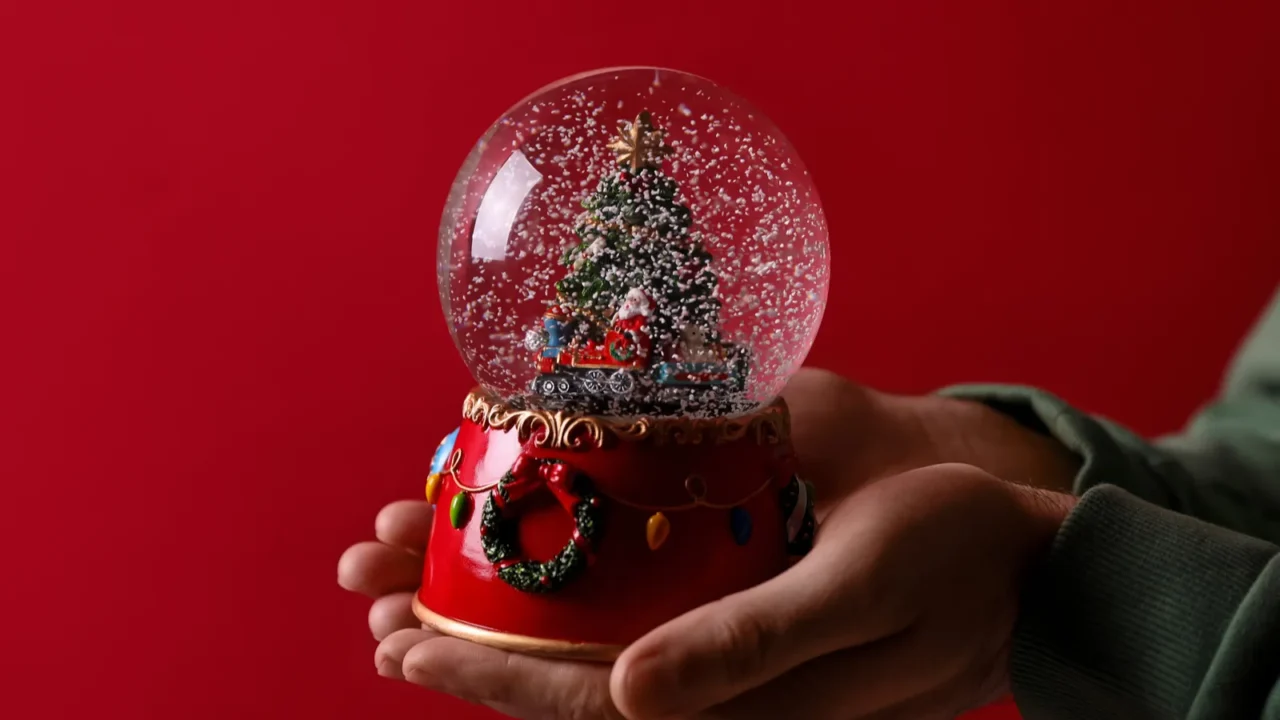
<point x="906" y="601"/>
<point x="904" y="609"/>
<point x="389" y="570"/>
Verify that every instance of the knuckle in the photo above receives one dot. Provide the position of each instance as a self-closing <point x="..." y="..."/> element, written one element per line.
<point x="872" y="603"/>
<point x="588" y="704"/>
<point x="423" y="666"/>
<point x="573" y="694"/>
<point x="747" y="641"/>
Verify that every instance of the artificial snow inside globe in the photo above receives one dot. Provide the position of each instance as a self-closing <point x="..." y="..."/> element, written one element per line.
<point x="632" y="263"/>
<point x="634" y="242"/>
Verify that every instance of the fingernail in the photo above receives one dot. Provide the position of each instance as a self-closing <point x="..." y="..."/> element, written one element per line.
<point x="388" y="665"/>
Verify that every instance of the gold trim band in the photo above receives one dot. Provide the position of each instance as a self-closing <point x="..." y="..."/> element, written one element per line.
<point x="563" y="430"/>
<point x="524" y="644"/>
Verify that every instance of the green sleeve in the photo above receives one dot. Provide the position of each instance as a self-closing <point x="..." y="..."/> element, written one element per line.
<point x="1224" y="468"/>
<point x="1161" y="595"/>
<point x="1140" y="613"/>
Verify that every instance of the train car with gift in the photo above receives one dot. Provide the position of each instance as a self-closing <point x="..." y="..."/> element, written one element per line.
<point x="698" y="363"/>
<point x="698" y="374"/>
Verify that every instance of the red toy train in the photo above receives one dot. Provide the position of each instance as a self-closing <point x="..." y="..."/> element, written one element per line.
<point x="624" y="359"/>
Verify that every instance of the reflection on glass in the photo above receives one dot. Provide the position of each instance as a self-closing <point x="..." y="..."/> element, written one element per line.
<point x="500" y="205"/>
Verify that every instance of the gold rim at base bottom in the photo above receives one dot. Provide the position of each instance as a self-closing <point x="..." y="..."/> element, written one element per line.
<point x="561" y="649"/>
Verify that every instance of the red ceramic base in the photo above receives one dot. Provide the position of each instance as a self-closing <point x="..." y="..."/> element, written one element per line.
<point x="646" y="519"/>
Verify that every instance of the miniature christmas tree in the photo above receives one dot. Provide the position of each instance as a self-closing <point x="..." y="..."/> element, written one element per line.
<point x="634" y="237"/>
<point x="637" y="307"/>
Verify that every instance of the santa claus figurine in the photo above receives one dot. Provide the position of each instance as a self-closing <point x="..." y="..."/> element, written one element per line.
<point x="629" y="323"/>
<point x="635" y="310"/>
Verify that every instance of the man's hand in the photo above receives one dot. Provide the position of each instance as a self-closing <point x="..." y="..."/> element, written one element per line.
<point x="389" y="570"/>
<point x="904" y="609"/>
<point x="906" y="601"/>
<point x="846" y="435"/>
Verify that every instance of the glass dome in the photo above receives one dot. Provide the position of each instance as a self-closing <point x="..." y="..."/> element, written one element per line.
<point x="633" y="241"/>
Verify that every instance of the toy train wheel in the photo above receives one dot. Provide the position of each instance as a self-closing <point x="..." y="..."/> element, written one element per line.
<point x="594" y="382"/>
<point x="563" y="385"/>
<point x="621" y="383"/>
<point x="547" y="386"/>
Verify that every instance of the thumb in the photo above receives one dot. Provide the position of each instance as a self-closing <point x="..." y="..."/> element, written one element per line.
<point x="720" y="650"/>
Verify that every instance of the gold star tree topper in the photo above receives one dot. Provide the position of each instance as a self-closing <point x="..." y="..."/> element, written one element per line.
<point x="639" y="144"/>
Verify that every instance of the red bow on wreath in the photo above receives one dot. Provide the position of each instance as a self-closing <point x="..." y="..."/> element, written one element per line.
<point x="528" y="474"/>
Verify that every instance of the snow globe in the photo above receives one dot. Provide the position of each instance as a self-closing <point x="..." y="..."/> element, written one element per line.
<point x="632" y="263"/>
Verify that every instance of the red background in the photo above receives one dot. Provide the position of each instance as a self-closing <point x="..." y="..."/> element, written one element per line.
<point x="222" y="342"/>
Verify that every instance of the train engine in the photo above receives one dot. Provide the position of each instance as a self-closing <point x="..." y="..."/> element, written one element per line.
<point x="626" y="359"/>
<point x="589" y="368"/>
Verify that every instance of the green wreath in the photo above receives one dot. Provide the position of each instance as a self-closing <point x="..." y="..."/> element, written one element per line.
<point x="621" y="352"/>
<point x="499" y="533"/>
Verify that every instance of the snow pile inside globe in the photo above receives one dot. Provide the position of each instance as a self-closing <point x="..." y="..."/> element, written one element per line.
<point x="634" y="242"/>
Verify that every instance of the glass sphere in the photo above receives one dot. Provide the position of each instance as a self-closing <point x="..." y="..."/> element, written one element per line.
<point x="634" y="241"/>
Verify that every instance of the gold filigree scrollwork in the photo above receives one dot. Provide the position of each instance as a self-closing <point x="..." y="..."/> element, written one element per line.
<point x="557" y="429"/>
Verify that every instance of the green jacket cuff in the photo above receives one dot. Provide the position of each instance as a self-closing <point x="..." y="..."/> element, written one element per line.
<point x="1139" y="612"/>
<point x="1110" y="454"/>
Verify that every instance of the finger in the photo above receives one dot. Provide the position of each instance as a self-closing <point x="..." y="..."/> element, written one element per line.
<point x="374" y="569"/>
<point x="947" y="702"/>
<point x="930" y="706"/>
<point x="405" y="524"/>
<point x="721" y="650"/>
<point x="391" y="613"/>
<point x="389" y="657"/>
<point x="890" y="677"/>
<point x="522" y="686"/>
